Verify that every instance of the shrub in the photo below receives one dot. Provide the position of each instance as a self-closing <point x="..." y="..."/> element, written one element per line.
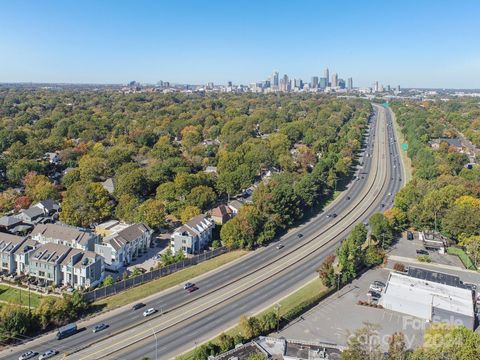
<point x="399" y="267"/>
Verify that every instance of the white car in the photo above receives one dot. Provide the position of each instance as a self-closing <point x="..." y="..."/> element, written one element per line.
<point x="48" y="354"/>
<point x="27" y="355"/>
<point x="149" y="312"/>
<point x="376" y="288"/>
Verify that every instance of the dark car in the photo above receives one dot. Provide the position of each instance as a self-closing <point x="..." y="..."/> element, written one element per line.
<point x="422" y="252"/>
<point x="138" y="306"/>
<point x="334" y="215"/>
<point x="374" y="294"/>
<point x="300" y="235"/>
<point x="409" y="235"/>
<point x="192" y="289"/>
<point x="348" y="197"/>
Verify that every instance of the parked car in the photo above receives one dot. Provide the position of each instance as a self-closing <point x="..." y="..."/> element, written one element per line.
<point x="149" y="312"/>
<point x="376" y="288"/>
<point x="48" y="354"/>
<point x="192" y="289"/>
<point x="373" y="294"/>
<point x="138" y="306"/>
<point x="379" y="283"/>
<point x="279" y="246"/>
<point x="422" y="252"/>
<point x="99" y="327"/>
<point x="409" y="235"/>
<point x="28" y="355"/>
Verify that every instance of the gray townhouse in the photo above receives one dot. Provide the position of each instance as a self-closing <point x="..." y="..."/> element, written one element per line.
<point x="23" y="255"/>
<point x="193" y="236"/>
<point x="45" y="263"/>
<point x="82" y="269"/>
<point x="121" y="243"/>
<point x="8" y="245"/>
<point x="61" y="234"/>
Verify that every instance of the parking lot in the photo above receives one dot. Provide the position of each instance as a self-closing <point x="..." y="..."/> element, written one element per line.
<point x="407" y="248"/>
<point x="338" y="316"/>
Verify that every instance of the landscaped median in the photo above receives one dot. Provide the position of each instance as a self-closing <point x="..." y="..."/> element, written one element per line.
<point x="163" y="283"/>
<point x="264" y="322"/>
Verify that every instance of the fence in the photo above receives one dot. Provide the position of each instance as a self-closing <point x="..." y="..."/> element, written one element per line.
<point x="120" y="286"/>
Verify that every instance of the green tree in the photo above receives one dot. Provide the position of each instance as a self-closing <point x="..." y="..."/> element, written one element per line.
<point x="108" y="281"/>
<point x="189" y="212"/>
<point x="152" y="213"/>
<point x="202" y="197"/>
<point x="85" y="203"/>
<point x="381" y="230"/>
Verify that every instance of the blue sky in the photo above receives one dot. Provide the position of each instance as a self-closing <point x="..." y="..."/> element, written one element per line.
<point x="417" y="43"/>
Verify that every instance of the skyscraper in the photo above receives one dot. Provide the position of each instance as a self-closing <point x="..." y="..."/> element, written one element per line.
<point x="334" y="80"/>
<point x="327" y="75"/>
<point x="314" y="83"/>
<point x="375" y="86"/>
<point x="323" y="82"/>
<point x="275" y="81"/>
<point x="349" y="83"/>
<point x="341" y="83"/>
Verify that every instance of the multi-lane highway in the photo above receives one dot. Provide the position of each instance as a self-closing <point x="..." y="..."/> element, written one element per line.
<point x="247" y="285"/>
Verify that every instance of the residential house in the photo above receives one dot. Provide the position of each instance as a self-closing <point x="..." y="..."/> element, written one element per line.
<point x="211" y="170"/>
<point x="49" y="207"/>
<point x="45" y="263"/>
<point x="8" y="245"/>
<point x="82" y="269"/>
<point x="32" y="215"/>
<point x="71" y="236"/>
<point x="235" y="206"/>
<point x="193" y="236"/>
<point x="454" y="143"/>
<point x="122" y="243"/>
<point x="23" y="255"/>
<point x="221" y="214"/>
<point x="8" y="223"/>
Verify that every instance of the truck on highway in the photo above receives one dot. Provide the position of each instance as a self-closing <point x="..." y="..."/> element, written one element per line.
<point x="66" y="331"/>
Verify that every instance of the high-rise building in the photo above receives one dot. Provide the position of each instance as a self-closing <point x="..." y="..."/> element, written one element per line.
<point x="323" y="83"/>
<point x="229" y="84"/>
<point x="398" y="87"/>
<point x="275" y="80"/>
<point x="375" y="86"/>
<point x="389" y="88"/>
<point x="327" y="75"/>
<point x="314" y="83"/>
<point x="334" y="80"/>
<point x="341" y="83"/>
<point x="284" y="84"/>
<point x="349" y="83"/>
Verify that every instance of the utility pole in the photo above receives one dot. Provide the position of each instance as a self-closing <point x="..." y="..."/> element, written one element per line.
<point x="156" y="343"/>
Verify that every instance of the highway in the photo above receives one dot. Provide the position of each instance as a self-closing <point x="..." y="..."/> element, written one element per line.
<point x="247" y="285"/>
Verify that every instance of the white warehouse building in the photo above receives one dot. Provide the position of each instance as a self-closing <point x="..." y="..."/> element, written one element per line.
<point x="429" y="300"/>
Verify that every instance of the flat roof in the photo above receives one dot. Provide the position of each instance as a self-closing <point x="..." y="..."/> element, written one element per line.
<point x="435" y="276"/>
<point x="417" y="296"/>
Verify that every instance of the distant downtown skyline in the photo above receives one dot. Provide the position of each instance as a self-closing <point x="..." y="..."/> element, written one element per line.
<point x="418" y="44"/>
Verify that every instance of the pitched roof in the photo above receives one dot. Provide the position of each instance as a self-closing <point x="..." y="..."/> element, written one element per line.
<point x="50" y="252"/>
<point x="8" y="221"/>
<point x="8" y="242"/>
<point x="195" y="225"/>
<point x="48" y="204"/>
<point x="32" y="212"/>
<point x="62" y="232"/>
<point x="109" y="185"/>
<point x="222" y="211"/>
<point x="128" y="234"/>
<point x="28" y="245"/>
<point x="235" y="204"/>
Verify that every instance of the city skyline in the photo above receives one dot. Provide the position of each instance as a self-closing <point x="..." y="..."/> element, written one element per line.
<point x="113" y="42"/>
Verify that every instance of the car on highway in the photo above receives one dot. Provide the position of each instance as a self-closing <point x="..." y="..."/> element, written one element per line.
<point x="149" y="312"/>
<point x="28" y="355"/>
<point x="48" y="354"/>
<point x="334" y="215"/>
<point x="138" y="306"/>
<point x="422" y="252"/>
<point x="192" y="289"/>
<point x="188" y="285"/>
<point x="348" y="197"/>
<point x="300" y="235"/>
<point x="279" y="246"/>
<point x="99" y="327"/>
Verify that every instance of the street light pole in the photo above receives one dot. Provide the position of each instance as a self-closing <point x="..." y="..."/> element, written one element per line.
<point x="277" y="306"/>
<point x="156" y="343"/>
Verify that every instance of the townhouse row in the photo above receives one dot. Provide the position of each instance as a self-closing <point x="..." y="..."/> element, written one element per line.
<point x="62" y="255"/>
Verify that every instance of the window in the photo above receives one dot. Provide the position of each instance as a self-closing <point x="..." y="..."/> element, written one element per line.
<point x="41" y="273"/>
